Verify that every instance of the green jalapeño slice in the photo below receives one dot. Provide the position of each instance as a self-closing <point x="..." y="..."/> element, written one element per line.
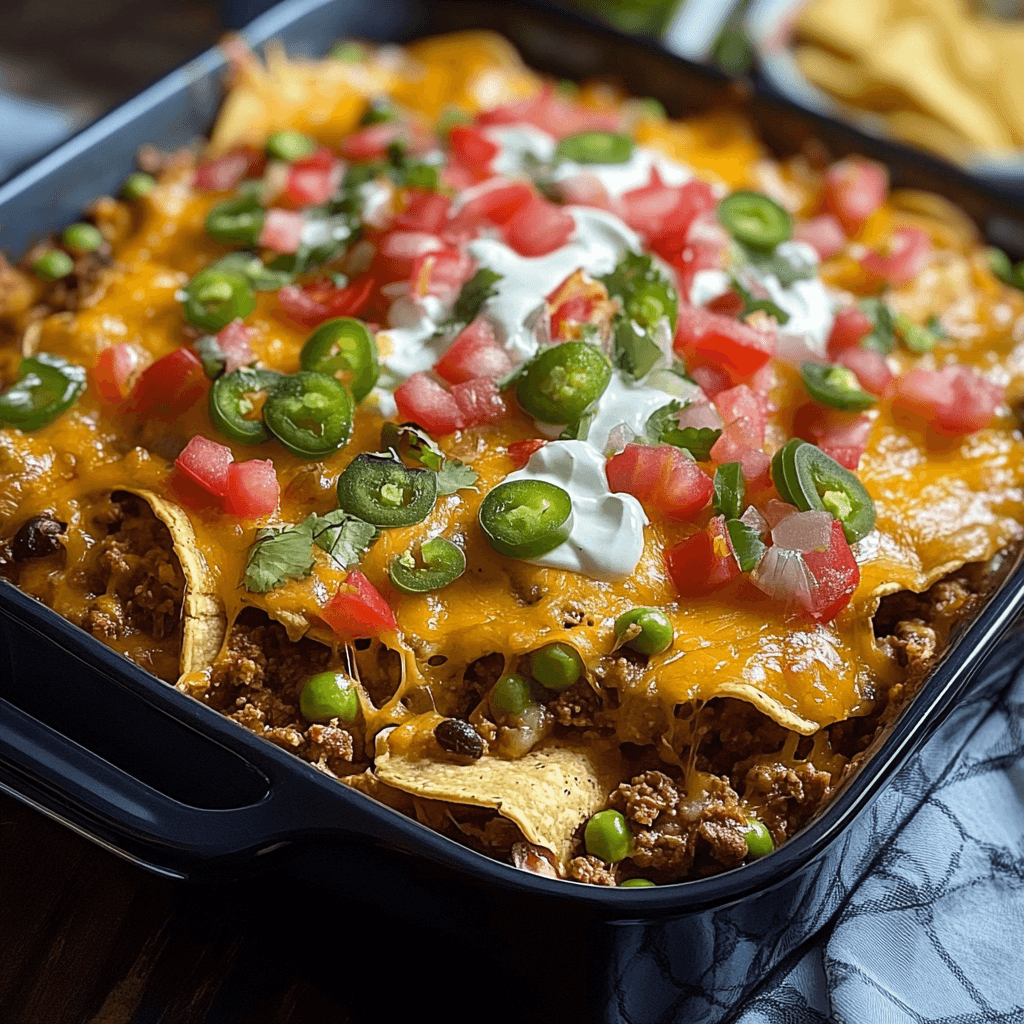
<point x="562" y="381"/>
<point x="526" y="518"/>
<point x="236" y="404"/>
<point x="46" y="387"/>
<point x="214" y="298"/>
<point x="310" y="414"/>
<point x="755" y="220"/>
<point x="596" y="148"/>
<point x="238" y="221"/>
<point x="383" y="491"/>
<point x="344" y="348"/>
<point x="440" y="562"/>
<point x="808" y="478"/>
<point x="835" y="386"/>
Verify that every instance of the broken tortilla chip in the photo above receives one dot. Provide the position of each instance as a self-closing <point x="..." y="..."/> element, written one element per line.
<point x="548" y="792"/>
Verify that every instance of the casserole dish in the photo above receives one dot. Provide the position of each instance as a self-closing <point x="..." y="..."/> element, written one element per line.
<point x="238" y="801"/>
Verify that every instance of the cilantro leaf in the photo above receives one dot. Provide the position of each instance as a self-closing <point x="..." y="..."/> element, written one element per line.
<point x="752" y="305"/>
<point x="412" y="442"/>
<point x="277" y="555"/>
<point x="787" y="268"/>
<point x="454" y="476"/>
<point x="644" y="290"/>
<point x="635" y="352"/>
<point x="663" y="428"/>
<point x="345" y="537"/>
<point x="475" y="292"/>
<point x="883" y="337"/>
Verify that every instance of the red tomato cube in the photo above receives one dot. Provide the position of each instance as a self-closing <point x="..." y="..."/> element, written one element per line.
<point x="663" y="478"/>
<point x="709" y="338"/>
<point x="206" y="463"/>
<point x="169" y="386"/>
<point x="836" y="573"/>
<point x="475" y="352"/>
<point x="422" y="400"/>
<point x="539" y="227"/>
<point x="358" y="610"/>
<point x="112" y="374"/>
<point x="252" y="489"/>
<point x="704" y="562"/>
<point x="854" y="189"/>
<point x="479" y="401"/>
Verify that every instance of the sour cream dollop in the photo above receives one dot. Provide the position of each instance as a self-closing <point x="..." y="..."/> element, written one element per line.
<point x="607" y="535"/>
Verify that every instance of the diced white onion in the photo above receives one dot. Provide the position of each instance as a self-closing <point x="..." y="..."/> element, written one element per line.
<point x="804" y="531"/>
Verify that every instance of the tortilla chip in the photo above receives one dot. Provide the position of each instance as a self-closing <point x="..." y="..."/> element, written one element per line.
<point x="548" y="792"/>
<point x="204" y="623"/>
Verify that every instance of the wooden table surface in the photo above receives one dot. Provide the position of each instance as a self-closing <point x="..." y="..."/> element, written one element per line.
<point x="87" y="938"/>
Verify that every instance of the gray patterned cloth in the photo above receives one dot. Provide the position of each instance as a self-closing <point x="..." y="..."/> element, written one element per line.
<point x="935" y="929"/>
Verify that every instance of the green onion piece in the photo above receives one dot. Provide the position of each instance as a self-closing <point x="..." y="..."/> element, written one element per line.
<point x="441" y="562"/>
<point x="755" y="220"/>
<point x="835" y="386"/>
<point x="730" y="488"/>
<point x="595" y="148"/>
<point x="746" y="543"/>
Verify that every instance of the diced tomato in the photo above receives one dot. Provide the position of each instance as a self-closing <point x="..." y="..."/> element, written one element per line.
<point x="954" y="400"/>
<point x="704" y="562"/>
<point x="520" y="452"/>
<point x="658" y="210"/>
<point x="476" y="352"/>
<point x="712" y="379"/>
<point x="737" y="444"/>
<point x="398" y="252"/>
<point x="709" y="338"/>
<point x="662" y="478"/>
<point x="422" y="400"/>
<point x="112" y="374"/>
<point x="223" y="173"/>
<point x="492" y="205"/>
<point x="169" y="386"/>
<point x="870" y="367"/>
<point x="371" y="143"/>
<point x="480" y="402"/>
<point x="234" y="342"/>
<point x="539" y="227"/>
<point x="554" y="114"/>
<point x="424" y="211"/>
<point x="282" y="230"/>
<point x="849" y="326"/>
<point x="252" y="489"/>
<point x="457" y="178"/>
<point x="824" y="234"/>
<point x="741" y="402"/>
<point x="567" y="319"/>
<point x="729" y="303"/>
<point x="837" y="574"/>
<point x="703" y="246"/>
<point x="854" y="189"/>
<point x="358" y="610"/>
<point x="313" y="180"/>
<point x="441" y="273"/>
<point x="312" y="304"/>
<point x="471" y="148"/>
<point x="206" y="463"/>
<point x="576" y="301"/>
<point x="842" y="435"/>
<point x="909" y="249"/>
<point x="584" y="190"/>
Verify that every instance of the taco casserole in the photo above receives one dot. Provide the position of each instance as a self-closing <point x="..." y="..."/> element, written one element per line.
<point x="587" y="484"/>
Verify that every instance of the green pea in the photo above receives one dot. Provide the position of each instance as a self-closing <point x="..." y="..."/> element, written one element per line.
<point x="656" y="632"/>
<point x="636" y="883"/>
<point x="53" y="265"/>
<point x="82" y="238"/>
<point x="556" y="666"/>
<point x="349" y="52"/>
<point x="329" y="695"/>
<point x="1000" y="265"/>
<point x="759" y="839"/>
<point x="511" y="695"/>
<point x="607" y="836"/>
<point x="289" y="145"/>
<point x="137" y="185"/>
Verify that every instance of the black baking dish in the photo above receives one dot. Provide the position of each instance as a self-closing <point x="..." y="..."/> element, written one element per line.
<point x="92" y="740"/>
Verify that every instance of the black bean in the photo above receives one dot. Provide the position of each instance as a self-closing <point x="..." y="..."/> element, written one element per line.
<point x="460" y="738"/>
<point x="37" y="538"/>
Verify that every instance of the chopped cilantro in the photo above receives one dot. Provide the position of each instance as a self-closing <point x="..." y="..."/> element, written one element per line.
<point x="635" y="353"/>
<point x="344" y="537"/>
<point x="412" y="442"/>
<point x="277" y="555"/>
<point x="663" y="428"/>
<point x="455" y="476"/>
<point x="475" y="292"/>
<point x="883" y="335"/>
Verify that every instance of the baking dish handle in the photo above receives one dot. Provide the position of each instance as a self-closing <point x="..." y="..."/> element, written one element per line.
<point x="137" y="821"/>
